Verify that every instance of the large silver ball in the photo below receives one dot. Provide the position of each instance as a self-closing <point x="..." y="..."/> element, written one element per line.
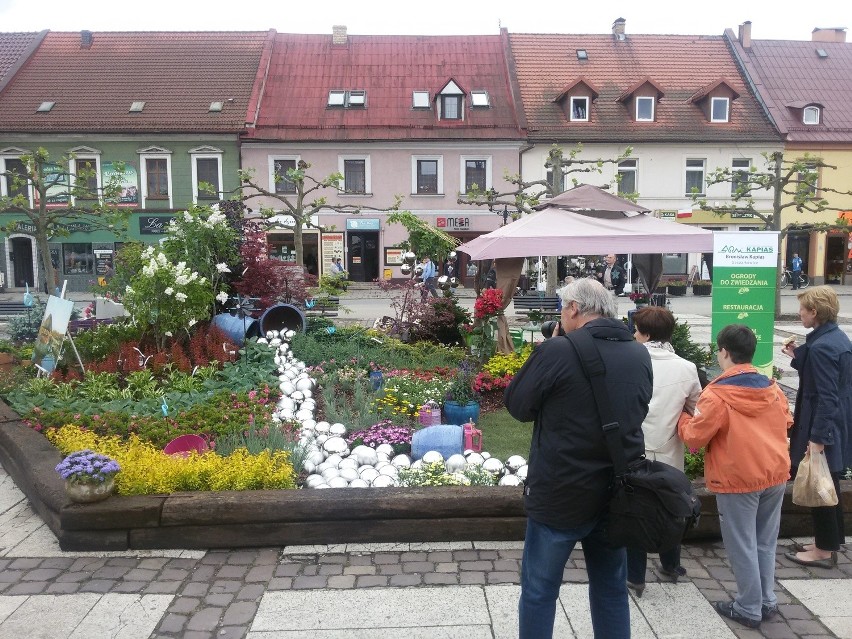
<point x="509" y="480"/>
<point x="453" y="255"/>
<point x="514" y="462"/>
<point x="418" y="270"/>
<point x="368" y="474"/>
<point x="337" y="445"/>
<point x="405" y="269"/>
<point x="337" y="429"/>
<point x="475" y="459"/>
<point x="432" y="456"/>
<point x="455" y="463"/>
<point x="384" y="481"/>
<point x="386" y="449"/>
<point x="409" y="257"/>
<point x="443" y="282"/>
<point x="313" y="480"/>
<point x="401" y="461"/>
<point x="322" y="427"/>
<point x="454" y="282"/>
<point x="521" y="473"/>
<point x="365" y="455"/>
<point x="358" y="483"/>
<point x="337" y="482"/>
<point x="348" y="474"/>
<point x="494" y="466"/>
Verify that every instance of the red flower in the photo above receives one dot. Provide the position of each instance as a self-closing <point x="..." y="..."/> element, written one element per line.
<point x="488" y="304"/>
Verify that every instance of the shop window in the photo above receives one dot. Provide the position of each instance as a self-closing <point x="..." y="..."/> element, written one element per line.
<point x="78" y="259"/>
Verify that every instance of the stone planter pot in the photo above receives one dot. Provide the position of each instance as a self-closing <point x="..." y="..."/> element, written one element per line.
<point x="702" y="289"/>
<point x="676" y="291"/>
<point x="85" y="493"/>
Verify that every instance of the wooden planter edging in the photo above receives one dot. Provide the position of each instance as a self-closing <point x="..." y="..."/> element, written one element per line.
<point x="286" y="517"/>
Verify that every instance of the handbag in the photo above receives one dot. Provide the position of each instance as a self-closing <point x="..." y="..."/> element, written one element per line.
<point x="813" y="486"/>
<point x="651" y="503"/>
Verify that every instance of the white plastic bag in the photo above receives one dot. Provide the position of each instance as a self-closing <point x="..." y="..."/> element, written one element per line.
<point x="813" y="486"/>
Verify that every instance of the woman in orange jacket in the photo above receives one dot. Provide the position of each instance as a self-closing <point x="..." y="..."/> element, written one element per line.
<point x="742" y="419"/>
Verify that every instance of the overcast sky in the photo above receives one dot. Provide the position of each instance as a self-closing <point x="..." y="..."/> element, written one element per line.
<point x="781" y="19"/>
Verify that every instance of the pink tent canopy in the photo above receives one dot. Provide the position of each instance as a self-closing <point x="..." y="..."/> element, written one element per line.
<point x="555" y="231"/>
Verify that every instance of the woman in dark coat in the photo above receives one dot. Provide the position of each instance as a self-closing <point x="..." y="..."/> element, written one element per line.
<point x="823" y="414"/>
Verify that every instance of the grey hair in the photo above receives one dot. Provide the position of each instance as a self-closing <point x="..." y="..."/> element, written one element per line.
<point x="591" y="297"/>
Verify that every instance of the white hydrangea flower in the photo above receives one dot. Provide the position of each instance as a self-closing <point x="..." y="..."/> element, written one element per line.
<point x="216" y="218"/>
<point x="192" y="322"/>
<point x="168" y="333"/>
<point x="187" y="216"/>
<point x="161" y="259"/>
<point x="182" y="280"/>
<point x="181" y="266"/>
<point x="222" y="297"/>
<point x="148" y="252"/>
<point x="180" y="297"/>
<point x="169" y="291"/>
<point x="127" y="289"/>
<point x="223" y="268"/>
<point x="193" y="277"/>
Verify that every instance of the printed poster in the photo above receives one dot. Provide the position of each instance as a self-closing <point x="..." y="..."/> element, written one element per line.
<point x="745" y="274"/>
<point x="52" y="331"/>
<point x="129" y="193"/>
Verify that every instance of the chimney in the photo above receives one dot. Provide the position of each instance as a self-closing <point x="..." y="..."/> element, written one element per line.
<point x="745" y="34"/>
<point x="618" y="28"/>
<point x="338" y="34"/>
<point x="85" y="39"/>
<point x="828" y="35"/>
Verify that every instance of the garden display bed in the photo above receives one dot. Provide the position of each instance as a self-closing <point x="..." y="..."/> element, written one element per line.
<point x="287" y="517"/>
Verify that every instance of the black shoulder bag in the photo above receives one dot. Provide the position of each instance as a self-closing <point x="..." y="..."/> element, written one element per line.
<point x="651" y="505"/>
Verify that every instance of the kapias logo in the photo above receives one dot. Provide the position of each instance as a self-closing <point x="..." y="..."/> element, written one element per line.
<point x="748" y="250"/>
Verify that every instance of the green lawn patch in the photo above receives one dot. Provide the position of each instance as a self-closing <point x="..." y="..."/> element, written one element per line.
<point x="504" y="436"/>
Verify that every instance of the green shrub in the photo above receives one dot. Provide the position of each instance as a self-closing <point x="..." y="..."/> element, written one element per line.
<point x="24" y="327"/>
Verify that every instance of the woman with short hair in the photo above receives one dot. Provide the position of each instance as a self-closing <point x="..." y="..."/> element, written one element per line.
<point x="676" y="389"/>
<point x="823" y="414"/>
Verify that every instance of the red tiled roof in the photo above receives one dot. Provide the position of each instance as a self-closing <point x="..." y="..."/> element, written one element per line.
<point x="790" y="75"/>
<point x="305" y="68"/>
<point x="176" y="74"/>
<point x="679" y="65"/>
<point x="14" y="49"/>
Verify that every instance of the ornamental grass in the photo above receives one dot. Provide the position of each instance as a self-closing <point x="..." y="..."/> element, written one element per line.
<point x="147" y="470"/>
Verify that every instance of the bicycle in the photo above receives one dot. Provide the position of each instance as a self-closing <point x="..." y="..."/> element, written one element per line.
<point x="787" y="279"/>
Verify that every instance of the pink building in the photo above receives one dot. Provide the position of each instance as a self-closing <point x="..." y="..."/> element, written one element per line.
<point x="423" y="117"/>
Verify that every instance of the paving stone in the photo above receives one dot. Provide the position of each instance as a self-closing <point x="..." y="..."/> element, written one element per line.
<point x="163" y="587"/>
<point x="140" y="574"/>
<point x="575" y="575"/>
<point x="503" y="578"/>
<point x="342" y="581"/>
<point x="11" y="576"/>
<point x="27" y="563"/>
<point x="441" y="556"/>
<point x="333" y="559"/>
<point x="231" y="632"/>
<point x="472" y="578"/>
<point x="62" y="563"/>
<point x="97" y="585"/>
<point x="414" y="556"/>
<point x="488" y="554"/>
<point x="223" y="585"/>
<point x="26" y="588"/>
<point x="111" y="572"/>
<point x="196" y="634"/>
<point x="180" y="564"/>
<point x="153" y="563"/>
<point x="449" y="566"/>
<point x="41" y="574"/>
<point x="266" y="557"/>
<point x="436" y="578"/>
<point x="360" y="560"/>
<point x="242" y="557"/>
<point x="130" y="586"/>
<point x="251" y="592"/>
<point x="511" y="554"/>
<point x="202" y="573"/>
<point x="62" y="588"/>
<point x="310" y="570"/>
<point x="806" y="626"/>
<point x="391" y="569"/>
<point x="174" y="574"/>
<point x="260" y="573"/>
<point x="215" y="557"/>
<point x="88" y="564"/>
<point x="172" y="623"/>
<point x="371" y="581"/>
<point x="794" y="611"/>
<point x="231" y="572"/>
<point x="506" y="564"/>
<point x="475" y="565"/>
<point x="386" y="558"/>
<point x="406" y="580"/>
<point x="337" y="569"/>
<point x="309" y="582"/>
<point x="205" y="620"/>
<point x="220" y="600"/>
<point x="195" y="589"/>
<point x="280" y="583"/>
<point x="184" y="605"/>
<point x="776" y="630"/>
<point x="240" y="612"/>
<point x="288" y="570"/>
<point x="417" y="566"/>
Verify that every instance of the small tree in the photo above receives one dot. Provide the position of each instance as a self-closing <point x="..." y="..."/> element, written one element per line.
<point x="53" y="199"/>
<point x="793" y="185"/>
<point x="423" y="239"/>
<point x="528" y="194"/>
<point x="303" y="201"/>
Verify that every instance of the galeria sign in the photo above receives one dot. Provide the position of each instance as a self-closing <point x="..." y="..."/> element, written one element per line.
<point x="745" y="274"/>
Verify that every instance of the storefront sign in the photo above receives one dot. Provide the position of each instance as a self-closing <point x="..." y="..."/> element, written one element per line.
<point x="453" y="223"/>
<point x="129" y="193"/>
<point x="745" y="275"/>
<point x="742" y="215"/>
<point x="103" y="262"/>
<point x="154" y="224"/>
<point x="393" y="256"/>
<point x="363" y="224"/>
<point x="56" y="181"/>
<point x="71" y="227"/>
<point x="667" y="215"/>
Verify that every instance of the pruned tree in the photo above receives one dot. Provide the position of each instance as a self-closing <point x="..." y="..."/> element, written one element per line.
<point x="528" y="194"/>
<point x="794" y="185"/>
<point x="423" y="238"/>
<point x="53" y="199"/>
<point x="303" y="198"/>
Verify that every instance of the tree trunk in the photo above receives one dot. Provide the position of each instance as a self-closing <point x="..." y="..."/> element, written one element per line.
<point x="297" y="241"/>
<point x="776" y="226"/>
<point x="46" y="263"/>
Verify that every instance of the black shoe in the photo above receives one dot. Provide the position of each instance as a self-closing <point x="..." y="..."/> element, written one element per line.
<point x="768" y="612"/>
<point x="726" y="609"/>
<point x="673" y="573"/>
<point x="828" y="562"/>
<point x="637" y="589"/>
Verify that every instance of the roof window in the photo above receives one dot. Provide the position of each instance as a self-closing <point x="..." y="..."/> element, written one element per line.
<point x="137" y="106"/>
<point x="357" y="98"/>
<point x="822" y="53"/>
<point x="336" y="98"/>
<point x="582" y="54"/>
<point x="420" y="100"/>
<point x="346" y="99"/>
<point x="45" y="107"/>
<point x="215" y="107"/>
<point x="480" y="99"/>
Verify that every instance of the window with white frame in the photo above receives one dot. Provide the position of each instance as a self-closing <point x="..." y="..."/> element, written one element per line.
<point x="740" y="168"/>
<point x="720" y="109"/>
<point x="356" y="173"/>
<point x="278" y="167"/>
<point x="85" y="172"/>
<point x="206" y="175"/>
<point x="695" y="176"/>
<point x="420" y="100"/>
<point x="479" y="99"/>
<point x="627" y="174"/>
<point x="810" y="115"/>
<point x="808" y="179"/>
<point x="549" y="178"/>
<point x="579" y="109"/>
<point x="451" y="107"/>
<point x="475" y="170"/>
<point x="155" y="166"/>
<point x="427" y="175"/>
<point x="14" y="182"/>
<point x="644" y="109"/>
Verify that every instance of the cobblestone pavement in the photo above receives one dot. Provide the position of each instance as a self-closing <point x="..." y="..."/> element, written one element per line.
<point x="457" y="589"/>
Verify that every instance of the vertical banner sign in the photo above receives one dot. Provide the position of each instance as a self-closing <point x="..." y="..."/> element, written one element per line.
<point x="332" y="247"/>
<point x="745" y="275"/>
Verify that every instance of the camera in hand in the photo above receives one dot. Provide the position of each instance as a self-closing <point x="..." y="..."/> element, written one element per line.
<point x="548" y="327"/>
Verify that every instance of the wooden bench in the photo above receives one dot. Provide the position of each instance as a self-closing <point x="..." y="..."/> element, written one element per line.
<point x="323" y="307"/>
<point x="547" y="305"/>
<point x="75" y="326"/>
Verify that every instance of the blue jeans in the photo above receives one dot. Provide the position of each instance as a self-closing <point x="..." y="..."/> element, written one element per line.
<point x="546" y="550"/>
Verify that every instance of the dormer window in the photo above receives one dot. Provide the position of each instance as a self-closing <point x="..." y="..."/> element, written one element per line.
<point x="579" y="109"/>
<point x="810" y="115"/>
<point x="719" y="109"/>
<point x="644" y="109"/>
<point x="451" y="102"/>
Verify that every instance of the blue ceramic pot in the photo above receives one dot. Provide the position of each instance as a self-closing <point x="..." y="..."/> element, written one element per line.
<point x="458" y="414"/>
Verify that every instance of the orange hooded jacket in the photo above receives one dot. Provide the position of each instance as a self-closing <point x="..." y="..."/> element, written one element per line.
<point x="742" y="419"/>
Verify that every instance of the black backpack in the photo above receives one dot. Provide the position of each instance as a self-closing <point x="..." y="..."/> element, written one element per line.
<point x="652" y="505"/>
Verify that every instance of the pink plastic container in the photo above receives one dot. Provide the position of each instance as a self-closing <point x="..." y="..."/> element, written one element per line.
<point x="185" y="444"/>
<point x="430" y="414"/>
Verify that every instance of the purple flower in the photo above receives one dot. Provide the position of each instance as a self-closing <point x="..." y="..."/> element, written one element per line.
<point x="86" y="466"/>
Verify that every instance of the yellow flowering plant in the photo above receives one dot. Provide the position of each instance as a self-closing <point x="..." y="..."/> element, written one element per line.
<point x="147" y="470"/>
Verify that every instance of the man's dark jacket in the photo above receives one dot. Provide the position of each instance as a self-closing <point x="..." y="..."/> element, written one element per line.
<point x="618" y="277"/>
<point x="569" y="466"/>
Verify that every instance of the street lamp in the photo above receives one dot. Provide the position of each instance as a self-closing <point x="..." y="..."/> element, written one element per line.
<point x="505" y="213"/>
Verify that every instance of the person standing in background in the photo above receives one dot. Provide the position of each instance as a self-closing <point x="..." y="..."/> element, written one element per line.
<point x="613" y="277"/>
<point x="429" y="276"/>
<point x="796" y="269"/>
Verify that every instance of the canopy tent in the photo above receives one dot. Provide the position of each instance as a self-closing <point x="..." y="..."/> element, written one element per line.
<point x="587" y="220"/>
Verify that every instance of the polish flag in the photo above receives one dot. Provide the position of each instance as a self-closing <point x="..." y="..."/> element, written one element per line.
<point x="684" y="213"/>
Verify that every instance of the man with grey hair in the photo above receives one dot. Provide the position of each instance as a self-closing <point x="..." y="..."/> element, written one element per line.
<point x="570" y="468"/>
